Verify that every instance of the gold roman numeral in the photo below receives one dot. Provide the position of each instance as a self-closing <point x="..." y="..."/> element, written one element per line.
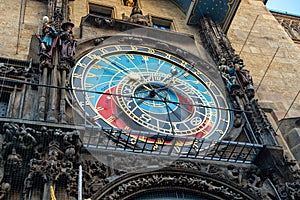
<point x="99" y="108"/>
<point x="111" y="119"/>
<point x="79" y="76"/>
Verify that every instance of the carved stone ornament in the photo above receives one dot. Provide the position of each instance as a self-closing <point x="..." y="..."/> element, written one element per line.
<point x="200" y="184"/>
<point x="137" y="17"/>
<point x="12" y="70"/>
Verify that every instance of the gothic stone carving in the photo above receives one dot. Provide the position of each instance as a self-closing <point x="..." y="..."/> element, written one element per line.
<point x="137" y="17"/>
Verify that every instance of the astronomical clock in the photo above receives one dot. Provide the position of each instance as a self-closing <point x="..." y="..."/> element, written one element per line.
<point x="152" y="89"/>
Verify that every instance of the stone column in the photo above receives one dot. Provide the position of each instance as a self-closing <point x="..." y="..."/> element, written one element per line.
<point x="53" y="97"/>
<point x="43" y="90"/>
<point x="62" y="104"/>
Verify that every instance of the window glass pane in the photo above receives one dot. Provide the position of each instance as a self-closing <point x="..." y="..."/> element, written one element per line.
<point x="163" y="24"/>
<point x="101" y="10"/>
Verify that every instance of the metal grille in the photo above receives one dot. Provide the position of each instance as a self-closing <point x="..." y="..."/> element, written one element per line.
<point x="95" y="137"/>
<point x="184" y="147"/>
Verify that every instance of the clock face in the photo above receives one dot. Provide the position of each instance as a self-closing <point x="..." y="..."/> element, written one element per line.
<point x="136" y="88"/>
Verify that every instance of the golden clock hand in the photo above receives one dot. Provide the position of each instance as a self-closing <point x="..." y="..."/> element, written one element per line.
<point x="149" y="89"/>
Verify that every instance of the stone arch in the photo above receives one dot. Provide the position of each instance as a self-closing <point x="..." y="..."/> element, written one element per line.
<point x="202" y="185"/>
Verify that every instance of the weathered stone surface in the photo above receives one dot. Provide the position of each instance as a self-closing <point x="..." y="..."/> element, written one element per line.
<point x="16" y="30"/>
<point x="275" y="74"/>
<point x="293" y="138"/>
<point x="296" y="151"/>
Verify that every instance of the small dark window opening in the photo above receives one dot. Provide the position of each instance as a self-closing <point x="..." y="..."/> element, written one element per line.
<point x="100" y="10"/>
<point x="161" y="23"/>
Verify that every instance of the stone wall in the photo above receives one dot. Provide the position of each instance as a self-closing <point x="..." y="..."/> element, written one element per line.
<point x="271" y="56"/>
<point x="268" y="51"/>
<point x="19" y="21"/>
<point x="23" y="20"/>
<point x="273" y="69"/>
<point x="161" y="8"/>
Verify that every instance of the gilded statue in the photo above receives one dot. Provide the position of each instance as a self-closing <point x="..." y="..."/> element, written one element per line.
<point x="130" y="3"/>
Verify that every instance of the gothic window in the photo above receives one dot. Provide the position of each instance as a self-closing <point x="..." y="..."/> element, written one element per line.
<point x="101" y="10"/>
<point x="162" y="23"/>
<point x="287" y="26"/>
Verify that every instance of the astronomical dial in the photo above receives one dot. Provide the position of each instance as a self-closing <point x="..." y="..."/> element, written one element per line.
<point x="137" y="88"/>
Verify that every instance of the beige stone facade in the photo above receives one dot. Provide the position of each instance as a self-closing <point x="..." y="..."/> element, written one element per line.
<point x="271" y="56"/>
<point x="19" y="21"/>
<point x="162" y="9"/>
<point x="268" y="51"/>
<point x="48" y="125"/>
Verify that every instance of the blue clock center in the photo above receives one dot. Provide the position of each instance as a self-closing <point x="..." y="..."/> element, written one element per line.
<point x="156" y="98"/>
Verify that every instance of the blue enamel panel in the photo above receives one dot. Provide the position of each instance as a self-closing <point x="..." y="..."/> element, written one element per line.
<point x="221" y="11"/>
<point x="183" y="4"/>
